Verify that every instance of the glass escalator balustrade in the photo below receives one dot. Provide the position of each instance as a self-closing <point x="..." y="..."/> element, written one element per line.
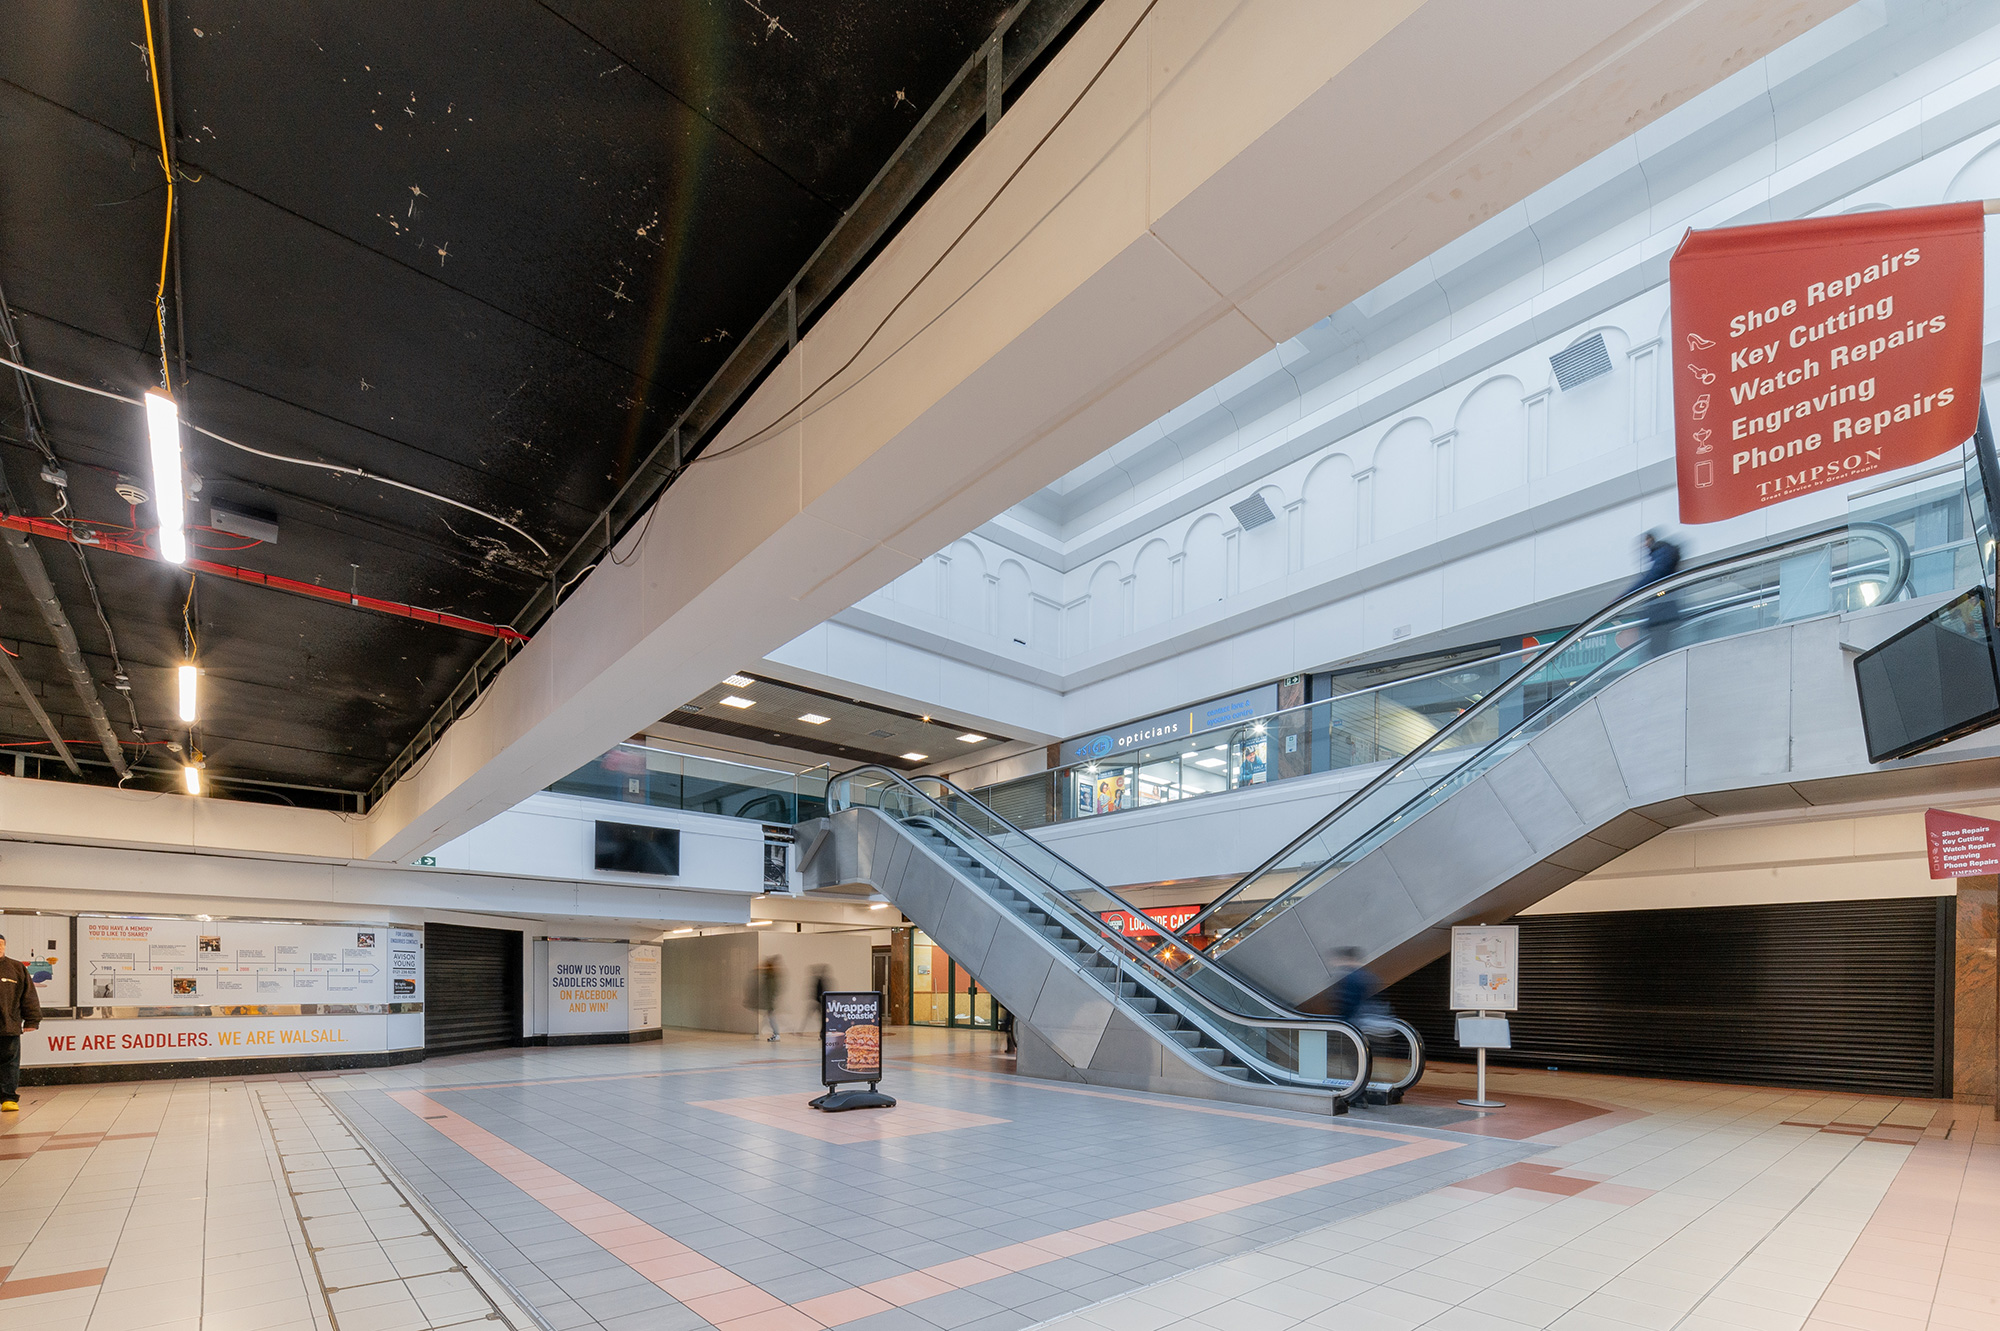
<point x="1849" y="568"/>
<point x="1219" y="1019"/>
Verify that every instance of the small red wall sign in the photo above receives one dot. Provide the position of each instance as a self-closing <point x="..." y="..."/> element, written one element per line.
<point x="1961" y="846"/>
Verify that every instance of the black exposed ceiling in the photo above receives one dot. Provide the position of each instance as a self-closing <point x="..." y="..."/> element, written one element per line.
<point x="489" y="250"/>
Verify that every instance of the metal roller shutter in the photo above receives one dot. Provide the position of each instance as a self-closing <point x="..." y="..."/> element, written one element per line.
<point x="1840" y="995"/>
<point x="1024" y="803"/>
<point x="472" y="988"/>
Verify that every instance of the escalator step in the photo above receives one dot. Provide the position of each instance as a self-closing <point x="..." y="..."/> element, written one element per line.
<point x="1208" y="1054"/>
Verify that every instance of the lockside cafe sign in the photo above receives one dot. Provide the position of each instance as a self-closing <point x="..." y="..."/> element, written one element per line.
<point x="1807" y="354"/>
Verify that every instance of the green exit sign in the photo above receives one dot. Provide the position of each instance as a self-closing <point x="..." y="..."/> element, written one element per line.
<point x="427" y="861"/>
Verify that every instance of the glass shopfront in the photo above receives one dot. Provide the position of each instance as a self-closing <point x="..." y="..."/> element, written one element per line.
<point x="943" y="993"/>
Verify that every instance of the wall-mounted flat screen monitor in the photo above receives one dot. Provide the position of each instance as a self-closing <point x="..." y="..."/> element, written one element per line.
<point x="1931" y="683"/>
<point x="630" y="848"/>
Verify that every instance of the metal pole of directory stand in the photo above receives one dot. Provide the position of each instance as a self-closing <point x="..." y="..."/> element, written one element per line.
<point x="1482" y="1029"/>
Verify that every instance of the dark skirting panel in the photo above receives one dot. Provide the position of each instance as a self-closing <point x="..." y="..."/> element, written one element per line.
<point x="1840" y="995"/>
<point x="472" y="988"/>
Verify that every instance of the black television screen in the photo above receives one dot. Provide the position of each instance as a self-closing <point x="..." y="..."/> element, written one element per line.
<point x="629" y="848"/>
<point x="1931" y="683"/>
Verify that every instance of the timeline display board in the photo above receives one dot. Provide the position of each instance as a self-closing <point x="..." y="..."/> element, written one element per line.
<point x="1485" y="967"/>
<point x="853" y="1047"/>
<point x="41" y="943"/>
<point x="135" y="962"/>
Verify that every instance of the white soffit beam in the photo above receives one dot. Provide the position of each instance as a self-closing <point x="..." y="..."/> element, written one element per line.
<point x="1233" y="174"/>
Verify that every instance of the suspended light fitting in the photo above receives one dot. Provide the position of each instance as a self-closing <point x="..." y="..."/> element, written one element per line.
<point x="191" y="777"/>
<point x="163" y="426"/>
<point x="187" y="679"/>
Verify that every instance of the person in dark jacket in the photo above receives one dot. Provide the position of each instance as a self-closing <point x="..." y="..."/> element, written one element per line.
<point x="1663" y="559"/>
<point x="1356" y="995"/>
<point x="20" y="1010"/>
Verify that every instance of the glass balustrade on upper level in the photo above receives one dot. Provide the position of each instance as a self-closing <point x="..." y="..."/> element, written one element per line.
<point x="662" y="779"/>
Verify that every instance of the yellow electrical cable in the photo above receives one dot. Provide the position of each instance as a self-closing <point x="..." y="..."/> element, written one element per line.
<point x="166" y="166"/>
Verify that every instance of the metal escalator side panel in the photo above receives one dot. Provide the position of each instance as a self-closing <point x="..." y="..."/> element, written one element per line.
<point x="1065" y="994"/>
<point x="1731" y="593"/>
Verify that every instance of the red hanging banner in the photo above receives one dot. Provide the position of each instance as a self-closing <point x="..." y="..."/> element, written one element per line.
<point x="1960" y="845"/>
<point x="1807" y="354"/>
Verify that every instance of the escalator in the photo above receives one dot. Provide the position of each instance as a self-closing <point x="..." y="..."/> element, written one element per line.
<point x="1724" y="689"/>
<point x="1091" y="1004"/>
<point x="1739" y="700"/>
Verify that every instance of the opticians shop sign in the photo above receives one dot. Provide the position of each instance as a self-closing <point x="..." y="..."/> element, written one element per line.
<point x="1173" y="727"/>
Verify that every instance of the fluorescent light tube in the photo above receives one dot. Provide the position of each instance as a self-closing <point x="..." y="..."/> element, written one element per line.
<point x="187" y="674"/>
<point x="163" y="427"/>
<point x="972" y="739"/>
<point x="191" y="775"/>
<point x="915" y="757"/>
<point x="739" y="681"/>
<point x="815" y="719"/>
<point x="733" y="701"/>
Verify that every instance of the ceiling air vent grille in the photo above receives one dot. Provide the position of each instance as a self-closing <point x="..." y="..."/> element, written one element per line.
<point x="1581" y="363"/>
<point x="1252" y="512"/>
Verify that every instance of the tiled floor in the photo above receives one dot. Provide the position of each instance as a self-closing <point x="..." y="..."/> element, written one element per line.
<point x="684" y="1185"/>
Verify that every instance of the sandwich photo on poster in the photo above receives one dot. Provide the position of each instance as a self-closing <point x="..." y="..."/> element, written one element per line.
<point x="1813" y="353"/>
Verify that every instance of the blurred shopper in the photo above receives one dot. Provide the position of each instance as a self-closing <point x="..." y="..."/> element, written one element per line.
<point x="1663" y="559"/>
<point x="1357" y="993"/>
<point x="769" y="984"/>
<point x="822" y="985"/>
<point x="20" y="1011"/>
<point x="1007" y="1027"/>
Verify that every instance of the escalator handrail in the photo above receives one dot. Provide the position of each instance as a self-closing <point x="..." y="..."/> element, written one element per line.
<point x="1624" y="604"/>
<point x="1152" y="964"/>
<point x="1124" y="942"/>
<point x="1140" y="966"/>
<point x="1407" y="1032"/>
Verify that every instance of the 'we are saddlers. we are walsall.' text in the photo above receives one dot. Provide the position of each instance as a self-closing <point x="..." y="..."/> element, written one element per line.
<point x="1833" y="333"/>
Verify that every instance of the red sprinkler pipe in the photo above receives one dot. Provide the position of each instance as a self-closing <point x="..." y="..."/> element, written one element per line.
<point x="55" y="531"/>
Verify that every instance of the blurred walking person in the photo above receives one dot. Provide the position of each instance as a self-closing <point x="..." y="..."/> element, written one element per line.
<point x="1663" y="560"/>
<point x="766" y="985"/>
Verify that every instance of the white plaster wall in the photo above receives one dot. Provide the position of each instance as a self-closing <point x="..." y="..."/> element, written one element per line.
<point x="554" y="836"/>
<point x="1875" y="853"/>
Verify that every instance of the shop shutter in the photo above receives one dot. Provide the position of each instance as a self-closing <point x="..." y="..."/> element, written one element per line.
<point x="1024" y="803"/>
<point x="1835" y="995"/>
<point x="472" y="988"/>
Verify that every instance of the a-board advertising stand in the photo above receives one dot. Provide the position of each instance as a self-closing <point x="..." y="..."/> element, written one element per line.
<point x="1485" y="975"/>
<point x="851" y="1050"/>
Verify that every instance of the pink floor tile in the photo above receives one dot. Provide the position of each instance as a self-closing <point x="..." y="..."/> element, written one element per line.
<point x="847" y="1305"/>
<point x="731" y="1304"/>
